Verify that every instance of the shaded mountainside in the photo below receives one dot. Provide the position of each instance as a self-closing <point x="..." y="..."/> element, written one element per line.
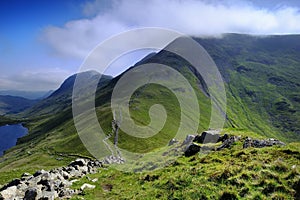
<point x="61" y="99"/>
<point x="262" y="79"/>
<point x="5" y="120"/>
<point x="262" y="86"/>
<point x="12" y="104"/>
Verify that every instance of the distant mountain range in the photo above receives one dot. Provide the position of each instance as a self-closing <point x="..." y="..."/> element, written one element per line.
<point x="27" y="94"/>
<point x="16" y="101"/>
<point x="61" y="99"/>
<point x="14" y="105"/>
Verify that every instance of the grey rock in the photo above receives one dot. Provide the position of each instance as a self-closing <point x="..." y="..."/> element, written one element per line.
<point x="14" y="182"/>
<point x="249" y="142"/>
<point x="9" y="193"/>
<point x="50" y="195"/>
<point x="67" y="193"/>
<point x="26" y="175"/>
<point x="47" y="185"/>
<point x="40" y="172"/>
<point x="51" y="184"/>
<point x="192" y="150"/>
<point x="75" y="173"/>
<point x="65" y="174"/>
<point x="211" y="136"/>
<point x="173" y="141"/>
<point x="113" y="159"/>
<point x="188" y="140"/>
<point x="229" y="142"/>
<point x="31" y="194"/>
<point x="223" y="138"/>
<point x="78" y="162"/>
<point x="94" y="180"/>
<point x="87" y="186"/>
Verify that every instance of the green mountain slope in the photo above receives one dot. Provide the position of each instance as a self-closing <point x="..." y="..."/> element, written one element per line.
<point x="262" y="87"/>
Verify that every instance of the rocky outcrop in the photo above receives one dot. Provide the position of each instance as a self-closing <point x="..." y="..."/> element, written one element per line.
<point x="193" y="148"/>
<point x="188" y="140"/>
<point x="249" y="142"/>
<point x="227" y="143"/>
<point x="50" y="184"/>
<point x="223" y="138"/>
<point x="211" y="136"/>
<point x="113" y="160"/>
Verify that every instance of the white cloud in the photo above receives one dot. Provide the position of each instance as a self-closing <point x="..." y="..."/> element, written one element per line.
<point x="47" y="79"/>
<point x="77" y="38"/>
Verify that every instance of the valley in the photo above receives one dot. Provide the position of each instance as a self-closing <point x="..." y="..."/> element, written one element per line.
<point x="261" y="77"/>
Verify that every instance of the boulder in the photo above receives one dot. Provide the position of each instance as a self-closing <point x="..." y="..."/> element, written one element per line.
<point x="211" y="136"/>
<point x="40" y="172"/>
<point x="9" y="193"/>
<point x="66" y="193"/>
<point x="31" y="194"/>
<point x="78" y="162"/>
<point x="188" y="140"/>
<point x="50" y="195"/>
<point x="47" y="185"/>
<point x="192" y="149"/>
<point x="173" y="141"/>
<point x="14" y="182"/>
<point x="26" y="175"/>
<point x="87" y="186"/>
<point x="83" y="169"/>
<point x="65" y="174"/>
<point x="94" y="180"/>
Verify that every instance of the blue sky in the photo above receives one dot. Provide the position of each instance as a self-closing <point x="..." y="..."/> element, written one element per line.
<point x="44" y="41"/>
<point x="23" y="56"/>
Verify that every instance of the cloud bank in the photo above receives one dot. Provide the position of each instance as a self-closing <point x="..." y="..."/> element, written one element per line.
<point x="47" y="79"/>
<point x="106" y="18"/>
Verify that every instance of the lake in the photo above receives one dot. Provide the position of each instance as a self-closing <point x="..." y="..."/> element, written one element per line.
<point x="9" y="135"/>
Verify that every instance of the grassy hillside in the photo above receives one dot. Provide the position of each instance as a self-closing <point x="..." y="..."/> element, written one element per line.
<point x="236" y="173"/>
<point x="263" y="86"/>
<point x="262" y="92"/>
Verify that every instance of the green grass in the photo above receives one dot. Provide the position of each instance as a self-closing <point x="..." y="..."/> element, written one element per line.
<point x="234" y="173"/>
